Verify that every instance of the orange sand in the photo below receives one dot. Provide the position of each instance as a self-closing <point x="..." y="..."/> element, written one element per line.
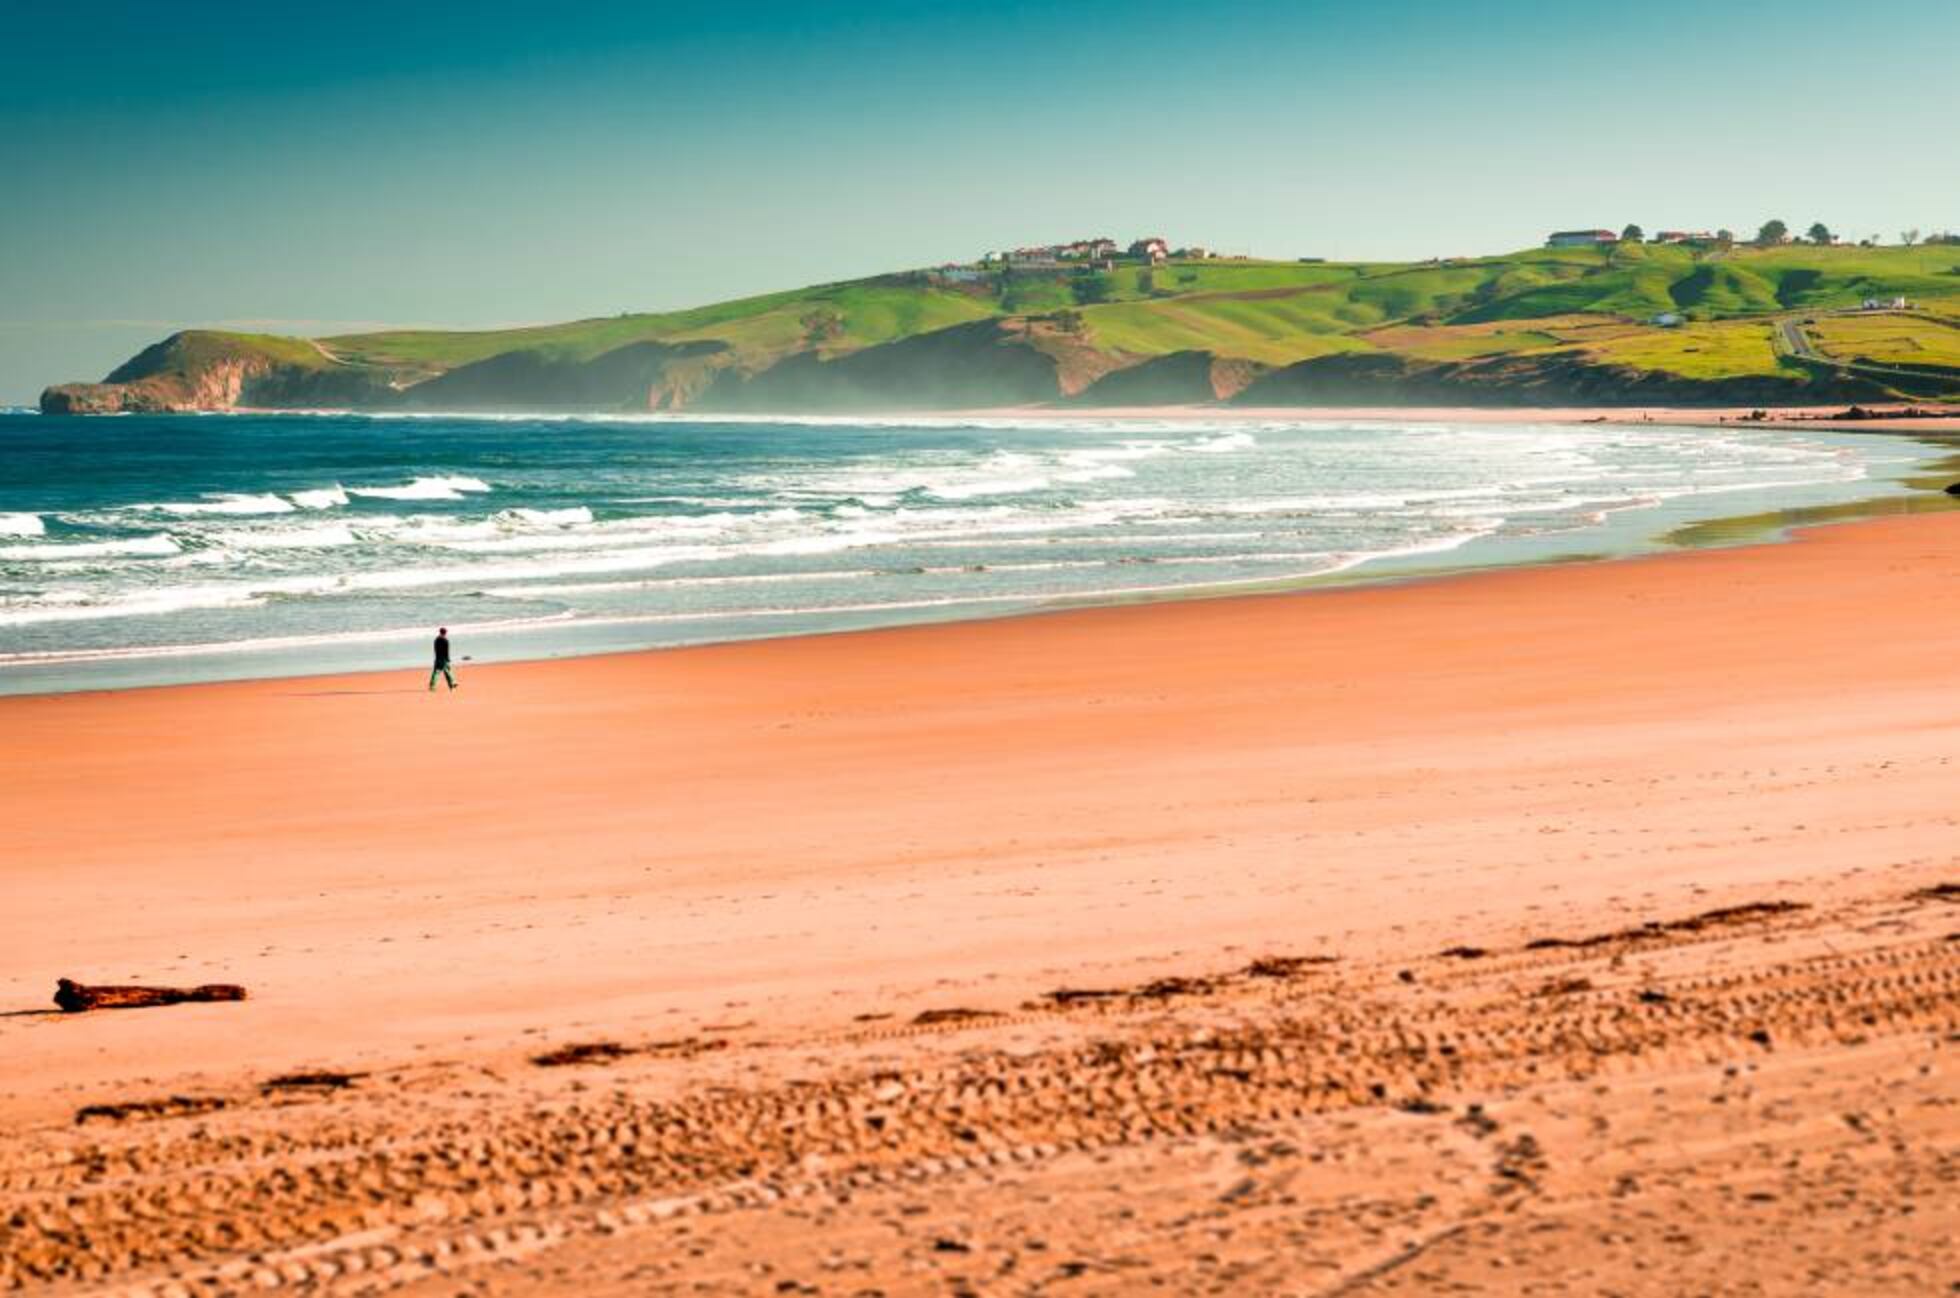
<point x="1613" y="907"/>
<point x="794" y="831"/>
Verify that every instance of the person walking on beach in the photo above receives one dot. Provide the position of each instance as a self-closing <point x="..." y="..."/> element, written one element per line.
<point x="442" y="667"/>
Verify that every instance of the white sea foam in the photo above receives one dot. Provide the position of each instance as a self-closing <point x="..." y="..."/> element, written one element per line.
<point x="1002" y="473"/>
<point x="325" y="537"/>
<point x="1126" y="450"/>
<point x="430" y="488"/>
<point x="320" y="497"/>
<point x="225" y="503"/>
<point x="1224" y="443"/>
<point x="494" y="536"/>
<point x="157" y="544"/>
<point x="1095" y="473"/>
<point x="22" y="525"/>
<point x="1047" y="539"/>
<point x="547" y="517"/>
<point x="432" y="529"/>
<point x="66" y="607"/>
<point x="978" y="488"/>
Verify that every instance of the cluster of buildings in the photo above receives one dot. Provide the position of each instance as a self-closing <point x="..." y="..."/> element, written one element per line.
<point x="1096" y="254"/>
<point x="1054" y="254"/>
<point x="1598" y="238"/>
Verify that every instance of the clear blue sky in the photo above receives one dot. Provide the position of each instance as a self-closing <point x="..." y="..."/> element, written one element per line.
<point x="309" y="168"/>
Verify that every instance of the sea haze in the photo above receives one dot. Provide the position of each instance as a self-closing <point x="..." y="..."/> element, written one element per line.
<point x="142" y="550"/>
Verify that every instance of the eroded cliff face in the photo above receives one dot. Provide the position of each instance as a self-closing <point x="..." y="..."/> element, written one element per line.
<point x="245" y="382"/>
<point x="1181" y="378"/>
<point x="84" y="399"/>
<point x="178" y="376"/>
<point x="216" y="386"/>
<point x="200" y="370"/>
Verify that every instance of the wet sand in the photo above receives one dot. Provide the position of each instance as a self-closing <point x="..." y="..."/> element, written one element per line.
<point x="1820" y="417"/>
<point x="791" y="887"/>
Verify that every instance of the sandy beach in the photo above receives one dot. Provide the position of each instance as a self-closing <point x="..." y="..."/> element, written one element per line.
<point x="1929" y="418"/>
<point x="1578" y="929"/>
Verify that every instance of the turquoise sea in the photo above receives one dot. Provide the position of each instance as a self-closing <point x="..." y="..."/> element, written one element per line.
<point x="143" y="550"/>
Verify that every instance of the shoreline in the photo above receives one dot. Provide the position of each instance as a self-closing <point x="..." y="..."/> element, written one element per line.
<point x="1769" y="529"/>
<point x="1815" y="417"/>
<point x="55" y="672"/>
<point x="1808" y="416"/>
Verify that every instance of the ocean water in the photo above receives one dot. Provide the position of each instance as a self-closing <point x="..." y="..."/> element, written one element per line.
<point x="143" y="550"/>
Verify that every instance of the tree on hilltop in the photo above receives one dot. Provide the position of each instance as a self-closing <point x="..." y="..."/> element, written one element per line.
<point x="1772" y="232"/>
<point x="1090" y="289"/>
<point x="1632" y="234"/>
<point x="1909" y="237"/>
<point x="1725" y="237"/>
<point x="1820" y="234"/>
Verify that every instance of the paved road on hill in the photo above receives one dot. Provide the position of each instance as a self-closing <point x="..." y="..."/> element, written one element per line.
<point x="1797" y="343"/>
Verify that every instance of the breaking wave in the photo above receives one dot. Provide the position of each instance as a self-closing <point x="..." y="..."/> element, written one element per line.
<point x="224" y="503"/>
<point x="548" y="517"/>
<point x="321" y="497"/>
<point x="432" y="488"/>
<point x="158" y="544"/>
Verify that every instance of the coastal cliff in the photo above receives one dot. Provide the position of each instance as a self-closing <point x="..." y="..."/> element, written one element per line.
<point x="203" y="370"/>
<point x="1627" y="325"/>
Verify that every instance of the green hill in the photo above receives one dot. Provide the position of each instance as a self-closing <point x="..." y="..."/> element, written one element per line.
<point x="1627" y="322"/>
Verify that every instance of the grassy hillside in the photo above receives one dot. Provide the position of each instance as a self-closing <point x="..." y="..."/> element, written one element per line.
<point x="196" y="350"/>
<point x="1277" y="313"/>
<point x="1271" y="329"/>
<point x="1593" y="315"/>
<point x="866" y="311"/>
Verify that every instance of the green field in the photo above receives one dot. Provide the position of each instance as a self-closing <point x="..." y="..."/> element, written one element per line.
<point x="1890" y="338"/>
<point x="1468" y="342"/>
<point x="1715" y="350"/>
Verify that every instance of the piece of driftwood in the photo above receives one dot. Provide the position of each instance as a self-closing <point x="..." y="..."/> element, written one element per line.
<point x="173" y="1106"/>
<point x="309" y="1081"/>
<point x="74" y="997"/>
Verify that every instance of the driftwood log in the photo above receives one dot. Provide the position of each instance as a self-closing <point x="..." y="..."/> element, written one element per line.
<point x="74" y="997"/>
